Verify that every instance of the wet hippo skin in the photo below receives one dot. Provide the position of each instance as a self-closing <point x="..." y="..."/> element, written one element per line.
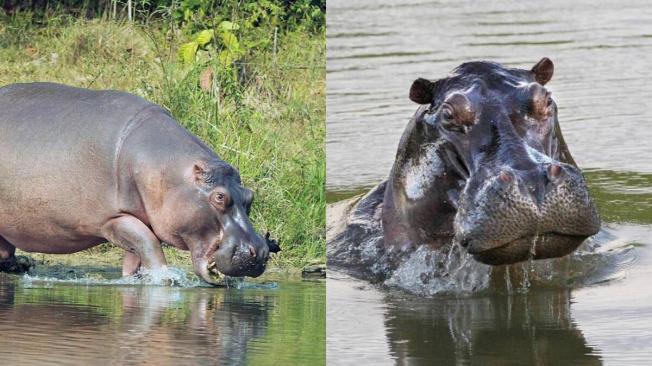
<point x="80" y="167"/>
<point x="481" y="164"/>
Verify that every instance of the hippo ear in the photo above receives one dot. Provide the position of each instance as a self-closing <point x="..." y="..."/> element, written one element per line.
<point x="199" y="172"/>
<point x="543" y="71"/>
<point x="422" y="91"/>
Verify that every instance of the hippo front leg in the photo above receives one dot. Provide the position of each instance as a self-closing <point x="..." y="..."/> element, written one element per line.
<point x="130" y="264"/>
<point x="137" y="239"/>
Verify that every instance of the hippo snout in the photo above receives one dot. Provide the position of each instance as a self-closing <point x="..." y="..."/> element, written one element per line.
<point x="240" y="258"/>
<point x="510" y="215"/>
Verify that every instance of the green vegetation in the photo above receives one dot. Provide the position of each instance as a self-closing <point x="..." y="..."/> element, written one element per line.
<point x="251" y="84"/>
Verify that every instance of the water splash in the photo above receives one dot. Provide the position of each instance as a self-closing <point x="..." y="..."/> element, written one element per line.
<point x="429" y="272"/>
<point x="451" y="270"/>
<point x="170" y="276"/>
<point x="240" y="283"/>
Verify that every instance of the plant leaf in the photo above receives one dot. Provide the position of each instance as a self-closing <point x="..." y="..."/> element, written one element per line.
<point x="187" y="52"/>
<point x="225" y="58"/>
<point x="204" y="37"/>
<point x="228" y="26"/>
<point x="230" y="42"/>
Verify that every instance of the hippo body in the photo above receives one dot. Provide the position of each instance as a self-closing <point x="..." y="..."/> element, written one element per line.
<point x="483" y="165"/>
<point x="81" y="167"/>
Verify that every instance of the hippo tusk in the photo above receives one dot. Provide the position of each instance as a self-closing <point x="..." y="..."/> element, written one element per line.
<point x="212" y="268"/>
<point x="272" y="244"/>
<point x="214" y="272"/>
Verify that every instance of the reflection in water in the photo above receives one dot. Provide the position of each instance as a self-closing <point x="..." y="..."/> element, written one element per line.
<point x="221" y="326"/>
<point x="155" y="325"/>
<point x="532" y="329"/>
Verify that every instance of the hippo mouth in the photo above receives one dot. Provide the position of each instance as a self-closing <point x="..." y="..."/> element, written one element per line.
<point x="541" y="246"/>
<point x="217" y="261"/>
<point x="207" y="271"/>
<point x="203" y="261"/>
<point x="213" y="272"/>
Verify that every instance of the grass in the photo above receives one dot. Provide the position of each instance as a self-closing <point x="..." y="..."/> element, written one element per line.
<point x="270" y="126"/>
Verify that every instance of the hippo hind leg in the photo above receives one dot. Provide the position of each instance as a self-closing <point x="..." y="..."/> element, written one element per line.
<point x="8" y="260"/>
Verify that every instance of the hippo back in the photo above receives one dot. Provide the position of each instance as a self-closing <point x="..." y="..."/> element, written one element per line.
<point x="58" y="157"/>
<point x="355" y="235"/>
<point x="64" y="121"/>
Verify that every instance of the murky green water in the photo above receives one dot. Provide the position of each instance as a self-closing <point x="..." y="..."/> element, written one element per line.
<point x="276" y="321"/>
<point x="598" y="308"/>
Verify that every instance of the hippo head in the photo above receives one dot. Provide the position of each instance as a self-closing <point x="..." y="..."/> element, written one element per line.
<point x="483" y="162"/>
<point x="209" y="213"/>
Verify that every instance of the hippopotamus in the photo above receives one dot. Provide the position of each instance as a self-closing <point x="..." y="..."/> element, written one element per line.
<point x="81" y="167"/>
<point x="482" y="165"/>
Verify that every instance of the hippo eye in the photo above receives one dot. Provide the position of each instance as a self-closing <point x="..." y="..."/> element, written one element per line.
<point x="447" y="113"/>
<point x="220" y="200"/>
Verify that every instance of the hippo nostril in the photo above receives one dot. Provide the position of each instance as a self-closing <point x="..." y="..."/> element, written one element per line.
<point x="465" y="242"/>
<point x="505" y="176"/>
<point x="554" y="171"/>
<point x="252" y="251"/>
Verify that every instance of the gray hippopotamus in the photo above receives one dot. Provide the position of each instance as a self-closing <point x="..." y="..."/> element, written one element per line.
<point x="481" y="164"/>
<point x="81" y="167"/>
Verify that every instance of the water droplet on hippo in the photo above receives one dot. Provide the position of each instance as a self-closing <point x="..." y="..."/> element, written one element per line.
<point x="449" y="257"/>
<point x="525" y="281"/>
<point x="533" y="252"/>
<point x="508" y="281"/>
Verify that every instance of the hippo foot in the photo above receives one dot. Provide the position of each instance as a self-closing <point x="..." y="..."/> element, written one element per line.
<point x="16" y="264"/>
<point x="154" y="279"/>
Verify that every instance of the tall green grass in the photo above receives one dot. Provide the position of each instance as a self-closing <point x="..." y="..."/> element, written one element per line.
<point x="271" y="125"/>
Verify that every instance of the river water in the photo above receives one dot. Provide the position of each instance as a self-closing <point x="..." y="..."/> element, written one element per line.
<point x="598" y="309"/>
<point x="100" y="319"/>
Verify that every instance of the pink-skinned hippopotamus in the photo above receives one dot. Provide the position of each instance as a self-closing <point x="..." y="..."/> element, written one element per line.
<point x="81" y="167"/>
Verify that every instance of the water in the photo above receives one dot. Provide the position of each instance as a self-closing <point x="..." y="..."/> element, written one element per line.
<point x="97" y="318"/>
<point x="592" y="308"/>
